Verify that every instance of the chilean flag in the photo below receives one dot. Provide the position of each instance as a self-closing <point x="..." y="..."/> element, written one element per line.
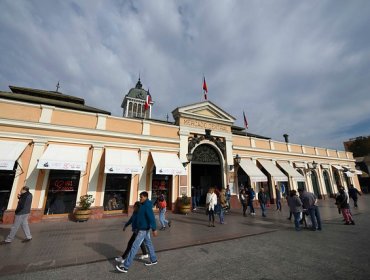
<point x="148" y="101"/>
<point x="205" y="89"/>
<point x="245" y="121"/>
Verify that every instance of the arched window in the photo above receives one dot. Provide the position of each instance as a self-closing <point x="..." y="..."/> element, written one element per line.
<point x="130" y="114"/>
<point x="337" y="179"/>
<point x="327" y="183"/>
<point x="315" y="184"/>
<point x="135" y="110"/>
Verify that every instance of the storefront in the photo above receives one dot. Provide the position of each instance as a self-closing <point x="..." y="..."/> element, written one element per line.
<point x="62" y="149"/>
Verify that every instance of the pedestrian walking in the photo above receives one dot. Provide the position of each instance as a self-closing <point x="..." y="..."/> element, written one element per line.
<point x="295" y="206"/>
<point x="145" y="222"/>
<point x="133" y="222"/>
<point x="344" y="207"/>
<point x="22" y="213"/>
<point x="228" y="197"/>
<point x="278" y="198"/>
<point x="162" y="205"/>
<point x="243" y="200"/>
<point x="353" y="192"/>
<point x="211" y="202"/>
<point x="251" y="196"/>
<point x="262" y="199"/>
<point x="222" y="206"/>
<point x="309" y="201"/>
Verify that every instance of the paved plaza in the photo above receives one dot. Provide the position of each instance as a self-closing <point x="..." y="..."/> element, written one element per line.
<point x="262" y="248"/>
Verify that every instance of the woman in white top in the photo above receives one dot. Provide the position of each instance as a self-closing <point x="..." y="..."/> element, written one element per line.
<point x="211" y="202"/>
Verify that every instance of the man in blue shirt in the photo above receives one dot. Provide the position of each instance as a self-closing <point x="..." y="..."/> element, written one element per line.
<point x="145" y="222"/>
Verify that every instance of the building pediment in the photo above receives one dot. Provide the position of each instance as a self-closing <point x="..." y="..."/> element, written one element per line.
<point x="204" y="111"/>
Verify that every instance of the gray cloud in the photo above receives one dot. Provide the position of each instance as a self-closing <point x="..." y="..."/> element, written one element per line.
<point x="300" y="68"/>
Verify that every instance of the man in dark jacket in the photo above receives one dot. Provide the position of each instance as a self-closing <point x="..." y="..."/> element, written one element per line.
<point x="309" y="201"/>
<point x="21" y="216"/>
<point x="145" y="222"/>
<point x="262" y="199"/>
<point x="352" y="192"/>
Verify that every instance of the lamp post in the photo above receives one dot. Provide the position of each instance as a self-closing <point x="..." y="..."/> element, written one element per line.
<point x="189" y="157"/>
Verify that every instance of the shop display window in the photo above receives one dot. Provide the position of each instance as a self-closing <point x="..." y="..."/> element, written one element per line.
<point x="62" y="192"/>
<point x="6" y="184"/>
<point x="117" y="191"/>
<point x="161" y="184"/>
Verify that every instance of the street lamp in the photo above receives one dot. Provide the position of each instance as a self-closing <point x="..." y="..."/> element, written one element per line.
<point x="189" y="157"/>
<point x="237" y="160"/>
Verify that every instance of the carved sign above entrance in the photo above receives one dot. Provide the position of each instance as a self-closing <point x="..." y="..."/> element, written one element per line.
<point x="220" y="142"/>
<point x="205" y="125"/>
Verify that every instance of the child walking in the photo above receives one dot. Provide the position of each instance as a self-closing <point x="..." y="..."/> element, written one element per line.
<point x="132" y="221"/>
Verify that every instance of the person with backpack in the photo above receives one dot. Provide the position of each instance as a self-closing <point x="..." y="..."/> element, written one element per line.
<point x="162" y="205"/>
<point x="132" y="222"/>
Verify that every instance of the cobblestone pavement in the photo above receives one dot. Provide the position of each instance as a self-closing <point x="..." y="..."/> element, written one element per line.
<point x="60" y="244"/>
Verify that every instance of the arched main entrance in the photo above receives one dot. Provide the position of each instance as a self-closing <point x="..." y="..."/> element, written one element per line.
<point x="315" y="184"/>
<point x="206" y="170"/>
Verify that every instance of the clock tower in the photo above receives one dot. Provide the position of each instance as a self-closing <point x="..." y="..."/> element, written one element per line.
<point x="137" y="103"/>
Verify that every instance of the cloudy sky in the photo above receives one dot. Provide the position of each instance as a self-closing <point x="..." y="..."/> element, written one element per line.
<point x="295" y="67"/>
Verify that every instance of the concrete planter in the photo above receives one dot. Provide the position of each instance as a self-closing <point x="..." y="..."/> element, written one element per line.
<point x="82" y="215"/>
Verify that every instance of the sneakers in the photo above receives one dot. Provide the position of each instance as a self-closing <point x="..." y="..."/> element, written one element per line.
<point x="151" y="263"/>
<point x="169" y="223"/>
<point x="121" y="269"/>
<point x="162" y="228"/>
<point x="26" y="240"/>
<point x="4" y="242"/>
<point x="143" y="257"/>
<point x="119" y="259"/>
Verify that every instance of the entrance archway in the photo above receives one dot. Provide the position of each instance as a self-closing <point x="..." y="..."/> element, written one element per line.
<point x="206" y="170"/>
<point x="315" y="184"/>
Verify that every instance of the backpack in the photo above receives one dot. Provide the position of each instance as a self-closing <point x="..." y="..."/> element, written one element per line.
<point x="162" y="204"/>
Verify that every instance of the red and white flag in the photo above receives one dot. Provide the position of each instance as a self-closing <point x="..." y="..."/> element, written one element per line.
<point x="205" y="89"/>
<point x="245" y="121"/>
<point x="148" y="101"/>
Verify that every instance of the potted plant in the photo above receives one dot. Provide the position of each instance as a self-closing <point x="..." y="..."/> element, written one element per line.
<point x="184" y="204"/>
<point x="83" y="212"/>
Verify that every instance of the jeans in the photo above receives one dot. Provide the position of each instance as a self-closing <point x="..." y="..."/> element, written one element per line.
<point x="211" y="215"/>
<point x="278" y="204"/>
<point x="162" y="217"/>
<point x="315" y="217"/>
<point x="251" y="208"/>
<point x="20" y="220"/>
<point x="129" y="246"/>
<point x="263" y="208"/>
<point x="194" y="202"/>
<point x="142" y="235"/>
<point x="297" y="216"/>
<point x="244" y="205"/>
<point x="222" y="215"/>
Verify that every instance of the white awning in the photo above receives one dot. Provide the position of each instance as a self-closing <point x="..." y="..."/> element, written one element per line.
<point x="291" y="171"/>
<point x="338" y="167"/>
<point x="122" y="161"/>
<point x="271" y="168"/>
<point x="10" y="151"/>
<point x="64" y="158"/>
<point x="168" y="164"/>
<point x="254" y="173"/>
<point x="358" y="172"/>
<point x="300" y="164"/>
<point x="325" y="166"/>
<point x="349" y="174"/>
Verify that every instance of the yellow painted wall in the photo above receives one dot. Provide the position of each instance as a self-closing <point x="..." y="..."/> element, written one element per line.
<point x="342" y="154"/>
<point x="321" y="152"/>
<point x="164" y="131"/>
<point x="280" y="147"/>
<point x="19" y="112"/>
<point x="124" y="125"/>
<point x="262" y="144"/>
<point x="309" y="150"/>
<point x="296" y="148"/>
<point x="73" y="119"/>
<point x="241" y="141"/>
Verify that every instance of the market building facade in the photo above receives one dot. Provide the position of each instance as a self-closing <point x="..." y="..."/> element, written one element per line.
<point x="62" y="149"/>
